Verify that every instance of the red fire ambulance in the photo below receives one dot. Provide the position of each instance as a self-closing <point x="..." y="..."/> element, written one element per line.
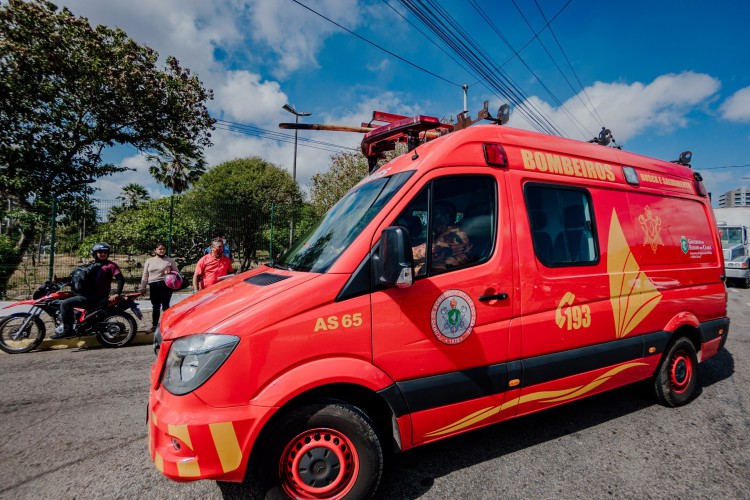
<point x="486" y="274"/>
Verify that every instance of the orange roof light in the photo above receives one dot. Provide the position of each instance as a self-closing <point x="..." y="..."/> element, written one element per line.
<point x="494" y="155"/>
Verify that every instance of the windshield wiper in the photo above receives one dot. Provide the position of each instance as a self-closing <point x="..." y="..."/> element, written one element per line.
<point x="276" y="265"/>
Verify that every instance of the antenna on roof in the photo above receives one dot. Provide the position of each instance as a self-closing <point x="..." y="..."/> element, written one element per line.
<point x="604" y="138"/>
<point x="684" y="159"/>
<point x="464" y="120"/>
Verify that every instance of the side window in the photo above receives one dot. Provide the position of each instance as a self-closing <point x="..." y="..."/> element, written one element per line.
<point x="562" y="225"/>
<point x="451" y="223"/>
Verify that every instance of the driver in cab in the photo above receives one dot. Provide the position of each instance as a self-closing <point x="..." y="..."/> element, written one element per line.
<point x="450" y="245"/>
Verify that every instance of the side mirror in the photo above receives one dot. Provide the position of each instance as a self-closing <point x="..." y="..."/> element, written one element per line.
<point x="393" y="262"/>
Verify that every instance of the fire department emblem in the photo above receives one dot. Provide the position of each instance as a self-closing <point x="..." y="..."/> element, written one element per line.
<point x="453" y="316"/>
<point x="651" y="226"/>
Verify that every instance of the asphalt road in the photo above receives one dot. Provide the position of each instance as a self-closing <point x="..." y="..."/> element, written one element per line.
<point x="74" y="427"/>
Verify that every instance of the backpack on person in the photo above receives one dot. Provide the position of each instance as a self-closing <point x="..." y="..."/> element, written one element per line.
<point x="83" y="278"/>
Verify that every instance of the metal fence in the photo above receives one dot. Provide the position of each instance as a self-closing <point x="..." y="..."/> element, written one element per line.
<point x="59" y="244"/>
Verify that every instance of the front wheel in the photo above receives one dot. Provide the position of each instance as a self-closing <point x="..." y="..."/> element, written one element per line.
<point x="322" y="451"/>
<point x="116" y="330"/>
<point x="677" y="374"/>
<point x="21" y="332"/>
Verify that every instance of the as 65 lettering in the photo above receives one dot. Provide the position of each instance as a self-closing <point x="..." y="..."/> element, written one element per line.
<point x="335" y="322"/>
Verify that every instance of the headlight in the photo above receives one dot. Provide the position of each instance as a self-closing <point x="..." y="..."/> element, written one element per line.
<point x="193" y="359"/>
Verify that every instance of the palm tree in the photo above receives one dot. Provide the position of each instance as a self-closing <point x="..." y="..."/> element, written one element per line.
<point x="176" y="167"/>
<point x="132" y="194"/>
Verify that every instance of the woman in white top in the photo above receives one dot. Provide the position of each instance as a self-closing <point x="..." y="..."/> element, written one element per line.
<point x="154" y="271"/>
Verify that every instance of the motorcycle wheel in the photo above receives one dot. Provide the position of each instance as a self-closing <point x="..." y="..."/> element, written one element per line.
<point x="13" y="341"/>
<point x="116" y="330"/>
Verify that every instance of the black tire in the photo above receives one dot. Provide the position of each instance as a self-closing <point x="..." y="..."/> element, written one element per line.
<point x="119" y="331"/>
<point x="14" y="343"/>
<point x="745" y="283"/>
<point x="320" y="451"/>
<point x="677" y="375"/>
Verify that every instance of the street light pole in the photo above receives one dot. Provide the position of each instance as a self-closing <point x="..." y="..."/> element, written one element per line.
<point x="297" y="114"/>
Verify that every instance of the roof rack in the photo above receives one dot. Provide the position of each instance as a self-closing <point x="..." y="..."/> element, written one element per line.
<point x="400" y="128"/>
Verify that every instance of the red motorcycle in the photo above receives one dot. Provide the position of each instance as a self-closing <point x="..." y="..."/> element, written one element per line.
<point x="109" y="322"/>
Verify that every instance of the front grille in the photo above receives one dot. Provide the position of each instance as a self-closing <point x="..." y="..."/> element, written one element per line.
<point x="265" y="279"/>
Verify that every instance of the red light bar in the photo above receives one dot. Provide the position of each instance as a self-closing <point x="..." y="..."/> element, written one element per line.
<point x="398" y="130"/>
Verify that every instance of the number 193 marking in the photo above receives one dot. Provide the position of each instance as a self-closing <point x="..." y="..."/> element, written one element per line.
<point x="572" y="317"/>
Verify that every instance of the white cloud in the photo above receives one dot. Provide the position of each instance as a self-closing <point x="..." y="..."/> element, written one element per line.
<point x="243" y="97"/>
<point x="737" y="107"/>
<point x="186" y="29"/>
<point x="381" y="66"/>
<point x="628" y="109"/>
<point x="296" y="34"/>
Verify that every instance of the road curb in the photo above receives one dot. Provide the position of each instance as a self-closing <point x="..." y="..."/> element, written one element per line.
<point x="86" y="342"/>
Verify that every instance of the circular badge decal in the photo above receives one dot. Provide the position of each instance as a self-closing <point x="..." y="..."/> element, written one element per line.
<point x="453" y="316"/>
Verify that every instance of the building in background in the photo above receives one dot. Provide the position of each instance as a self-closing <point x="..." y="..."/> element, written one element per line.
<point x="739" y="197"/>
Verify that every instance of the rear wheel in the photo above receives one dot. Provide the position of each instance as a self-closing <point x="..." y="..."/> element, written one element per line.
<point x="322" y="451"/>
<point x="116" y="330"/>
<point x="677" y="375"/>
<point x="21" y="332"/>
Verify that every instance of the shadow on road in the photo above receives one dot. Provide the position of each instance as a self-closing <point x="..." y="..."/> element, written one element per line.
<point x="422" y="465"/>
<point x="412" y="474"/>
<point x="718" y="368"/>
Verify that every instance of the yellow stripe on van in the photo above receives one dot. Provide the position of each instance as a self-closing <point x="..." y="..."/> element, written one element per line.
<point x="189" y="468"/>
<point x="158" y="462"/>
<point x="632" y="294"/>
<point x="227" y="446"/>
<point x="180" y="432"/>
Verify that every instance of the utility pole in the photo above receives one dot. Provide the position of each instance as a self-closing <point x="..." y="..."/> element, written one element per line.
<point x="297" y="114"/>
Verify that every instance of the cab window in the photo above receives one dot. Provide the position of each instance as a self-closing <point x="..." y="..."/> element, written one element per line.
<point x="454" y="217"/>
<point x="562" y="225"/>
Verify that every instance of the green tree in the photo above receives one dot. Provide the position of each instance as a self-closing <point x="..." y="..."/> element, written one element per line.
<point x="238" y="197"/>
<point x="132" y="194"/>
<point x="176" y="167"/>
<point x="69" y="90"/>
<point x="136" y="230"/>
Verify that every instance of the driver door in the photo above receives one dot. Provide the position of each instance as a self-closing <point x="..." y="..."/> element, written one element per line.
<point x="445" y="338"/>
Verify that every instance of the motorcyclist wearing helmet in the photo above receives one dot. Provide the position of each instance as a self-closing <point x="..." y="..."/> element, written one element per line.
<point x="107" y="271"/>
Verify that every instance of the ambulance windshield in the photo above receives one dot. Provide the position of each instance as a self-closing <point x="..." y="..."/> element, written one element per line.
<point x="320" y="247"/>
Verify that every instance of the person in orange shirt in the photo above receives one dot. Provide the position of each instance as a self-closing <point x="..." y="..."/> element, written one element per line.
<point x="212" y="266"/>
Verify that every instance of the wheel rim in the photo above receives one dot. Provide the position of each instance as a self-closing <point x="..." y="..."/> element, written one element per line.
<point x="116" y="329"/>
<point x="319" y="463"/>
<point x="680" y="371"/>
<point x="16" y="339"/>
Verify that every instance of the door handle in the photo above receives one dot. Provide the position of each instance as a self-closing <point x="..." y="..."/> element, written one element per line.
<point x="498" y="296"/>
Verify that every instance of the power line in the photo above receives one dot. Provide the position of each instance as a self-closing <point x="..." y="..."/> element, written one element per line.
<point x="279" y="137"/>
<point x="580" y="126"/>
<point x="429" y="39"/>
<point x="376" y="45"/>
<point x="535" y="37"/>
<point x="725" y="166"/>
<point x="575" y="74"/>
<point x="444" y="26"/>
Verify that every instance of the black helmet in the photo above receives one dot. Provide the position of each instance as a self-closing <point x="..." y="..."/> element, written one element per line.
<point x="100" y="247"/>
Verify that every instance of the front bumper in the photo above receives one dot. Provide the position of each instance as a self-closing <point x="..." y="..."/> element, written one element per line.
<point x="190" y="440"/>
<point x="736" y="273"/>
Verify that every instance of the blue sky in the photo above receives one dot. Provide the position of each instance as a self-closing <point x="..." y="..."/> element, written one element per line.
<point x="664" y="76"/>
